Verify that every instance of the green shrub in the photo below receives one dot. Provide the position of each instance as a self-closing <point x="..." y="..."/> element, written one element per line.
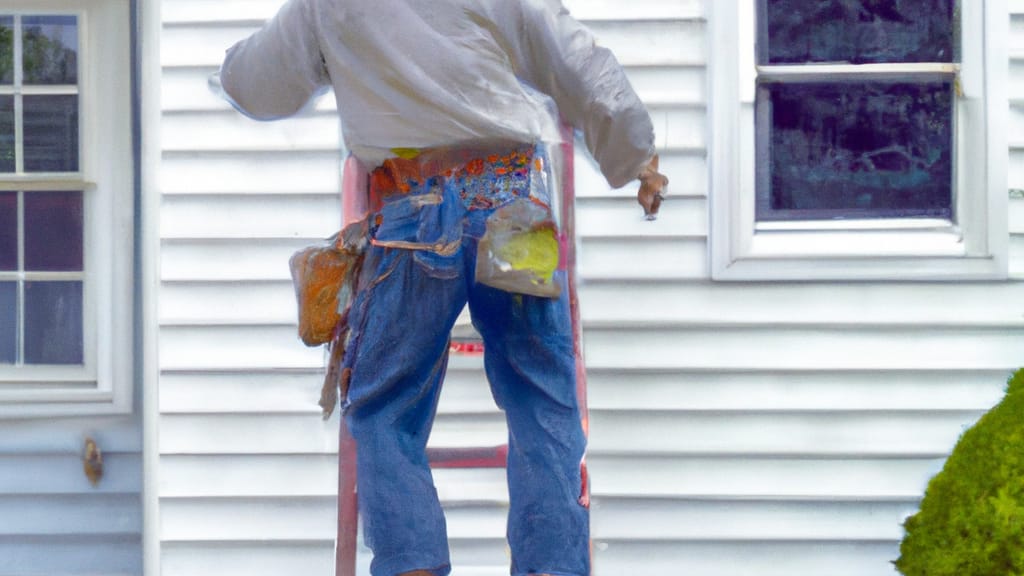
<point x="971" y="521"/>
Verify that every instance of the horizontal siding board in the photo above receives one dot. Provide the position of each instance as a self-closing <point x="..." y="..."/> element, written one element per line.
<point x="1016" y="40"/>
<point x="667" y="520"/>
<point x="301" y="475"/>
<point x="465" y="391"/>
<point x="230" y="259"/>
<point x="239" y="217"/>
<point x="242" y="347"/>
<point x="623" y="216"/>
<point x="228" y="302"/>
<point x="1015" y="173"/>
<point x="186" y="88"/>
<point x="787" y="390"/>
<point x="981" y="304"/>
<point x="302" y="434"/>
<point x="216" y="131"/>
<point x="641" y="42"/>
<point x="819" y="433"/>
<point x="686" y="171"/>
<point x="62" y="474"/>
<point x="1015" y="126"/>
<point x="305" y="519"/>
<point x="1016" y="80"/>
<point x="69" y="515"/>
<point x="84" y="555"/>
<point x="1016" y="256"/>
<point x="719" y="477"/>
<point x="199" y="46"/>
<point x="243" y="391"/>
<point x="257" y="475"/>
<point x="669" y="85"/>
<point x="638" y="259"/>
<point x="239" y="519"/>
<point x="246" y="434"/>
<point x="744" y="558"/>
<point x="654" y="42"/>
<point x="250" y="173"/>
<point x="785" y="348"/>
<point x="1016" y="215"/>
<point x="67" y="436"/>
<point x="248" y="559"/>
<point x="201" y="11"/>
<point x="668" y="432"/>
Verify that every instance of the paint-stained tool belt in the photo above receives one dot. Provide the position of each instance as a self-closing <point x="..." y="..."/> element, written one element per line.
<point x="411" y="197"/>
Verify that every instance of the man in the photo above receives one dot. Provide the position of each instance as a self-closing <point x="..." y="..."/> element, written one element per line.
<point x="452" y="103"/>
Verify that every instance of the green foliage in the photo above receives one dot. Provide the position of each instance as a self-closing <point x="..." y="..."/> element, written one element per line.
<point x="971" y="521"/>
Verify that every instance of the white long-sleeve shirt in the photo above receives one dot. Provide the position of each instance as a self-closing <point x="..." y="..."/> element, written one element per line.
<point x="431" y="73"/>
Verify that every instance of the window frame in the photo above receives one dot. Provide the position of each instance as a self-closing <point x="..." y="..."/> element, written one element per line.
<point x="103" y="383"/>
<point x="973" y="246"/>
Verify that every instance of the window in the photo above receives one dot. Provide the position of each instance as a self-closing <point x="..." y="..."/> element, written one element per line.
<point x="858" y="140"/>
<point x="65" y="209"/>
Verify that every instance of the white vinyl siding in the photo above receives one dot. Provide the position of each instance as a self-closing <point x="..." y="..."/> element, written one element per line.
<point x="247" y="469"/>
<point x="763" y="429"/>
<point x="55" y="522"/>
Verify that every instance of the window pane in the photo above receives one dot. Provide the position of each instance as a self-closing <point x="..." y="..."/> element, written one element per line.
<point x="53" y="231"/>
<point x="53" y="322"/>
<point x="8" y="322"/>
<point x="51" y="133"/>
<point x="6" y="133"/>
<point x="857" y="31"/>
<point x="8" y="231"/>
<point x="6" y="49"/>
<point x="842" y="150"/>
<point x="50" y="49"/>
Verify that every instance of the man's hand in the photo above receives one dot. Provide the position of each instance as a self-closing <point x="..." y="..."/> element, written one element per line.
<point x="652" y="189"/>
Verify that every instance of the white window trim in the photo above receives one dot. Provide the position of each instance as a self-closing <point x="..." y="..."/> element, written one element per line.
<point x="973" y="248"/>
<point x="104" y="384"/>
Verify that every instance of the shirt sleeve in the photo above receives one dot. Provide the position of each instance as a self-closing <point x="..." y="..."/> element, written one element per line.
<point x="559" y="56"/>
<point x="276" y="71"/>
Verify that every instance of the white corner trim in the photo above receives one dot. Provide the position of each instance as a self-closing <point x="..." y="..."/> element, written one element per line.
<point x="148" y="52"/>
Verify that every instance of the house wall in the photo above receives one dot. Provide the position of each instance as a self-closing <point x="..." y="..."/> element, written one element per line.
<point x="54" y="520"/>
<point x="769" y="429"/>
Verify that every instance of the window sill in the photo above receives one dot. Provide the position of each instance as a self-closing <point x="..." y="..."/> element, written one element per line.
<point x="858" y="255"/>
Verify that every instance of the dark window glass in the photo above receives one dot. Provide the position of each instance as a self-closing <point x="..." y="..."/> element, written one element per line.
<point x="51" y="133"/>
<point x="53" y="231"/>
<point x="8" y="231"/>
<point x="857" y="31"/>
<point x="8" y="322"/>
<point x="7" y="134"/>
<point x="53" y="323"/>
<point x="50" y="49"/>
<point x="6" y="49"/>
<point x="846" y="150"/>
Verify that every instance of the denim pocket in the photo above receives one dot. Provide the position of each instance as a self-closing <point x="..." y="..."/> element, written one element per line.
<point x="430" y="225"/>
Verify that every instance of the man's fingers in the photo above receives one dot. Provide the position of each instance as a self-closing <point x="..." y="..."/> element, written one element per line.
<point x="651" y="194"/>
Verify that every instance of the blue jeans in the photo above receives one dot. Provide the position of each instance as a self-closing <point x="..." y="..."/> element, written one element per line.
<point x="406" y="304"/>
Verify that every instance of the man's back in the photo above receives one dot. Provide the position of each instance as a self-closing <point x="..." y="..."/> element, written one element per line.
<point x="429" y="73"/>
